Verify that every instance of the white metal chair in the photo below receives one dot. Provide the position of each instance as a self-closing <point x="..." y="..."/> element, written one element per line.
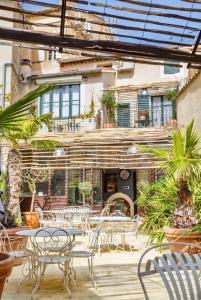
<point x="178" y="271"/>
<point x="52" y="247"/>
<point x="90" y="252"/>
<point x="12" y="247"/>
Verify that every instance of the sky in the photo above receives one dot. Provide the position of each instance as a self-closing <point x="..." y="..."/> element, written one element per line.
<point x="141" y="33"/>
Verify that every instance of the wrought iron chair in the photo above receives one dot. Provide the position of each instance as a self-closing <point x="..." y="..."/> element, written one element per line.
<point x="179" y="271"/>
<point x="90" y="252"/>
<point x="52" y="246"/>
<point x="12" y="247"/>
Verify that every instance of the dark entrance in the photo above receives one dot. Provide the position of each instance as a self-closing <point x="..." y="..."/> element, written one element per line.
<point x="119" y="181"/>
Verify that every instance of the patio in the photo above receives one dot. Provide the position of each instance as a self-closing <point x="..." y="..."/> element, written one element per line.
<point x="116" y="276"/>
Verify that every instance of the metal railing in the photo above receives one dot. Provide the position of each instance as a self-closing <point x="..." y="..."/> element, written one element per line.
<point x="128" y="118"/>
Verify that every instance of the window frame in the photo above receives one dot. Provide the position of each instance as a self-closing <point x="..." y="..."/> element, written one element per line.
<point x="61" y="92"/>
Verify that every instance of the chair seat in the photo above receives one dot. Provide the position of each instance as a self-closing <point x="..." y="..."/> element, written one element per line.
<point x="82" y="254"/>
<point x="53" y="259"/>
<point x="18" y="253"/>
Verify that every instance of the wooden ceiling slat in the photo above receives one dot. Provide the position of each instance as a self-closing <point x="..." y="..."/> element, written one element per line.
<point x="100" y="46"/>
<point x="179" y="44"/>
<point x="105" y="14"/>
<point x="138" y="11"/>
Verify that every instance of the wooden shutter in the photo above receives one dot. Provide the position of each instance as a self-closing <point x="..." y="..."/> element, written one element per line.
<point x="143" y="110"/>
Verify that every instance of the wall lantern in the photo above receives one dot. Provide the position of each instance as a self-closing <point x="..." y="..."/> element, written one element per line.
<point x="132" y="150"/>
<point x="59" y="152"/>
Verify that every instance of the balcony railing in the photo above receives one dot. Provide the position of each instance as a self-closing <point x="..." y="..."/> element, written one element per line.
<point x="72" y="125"/>
<point x="124" y="118"/>
<point x="127" y="118"/>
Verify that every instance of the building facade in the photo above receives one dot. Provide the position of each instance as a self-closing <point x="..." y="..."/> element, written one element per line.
<point x="95" y="149"/>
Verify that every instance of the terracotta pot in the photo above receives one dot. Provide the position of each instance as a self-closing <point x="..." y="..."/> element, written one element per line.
<point x="6" y="265"/>
<point x="31" y="219"/>
<point x="183" y="236"/>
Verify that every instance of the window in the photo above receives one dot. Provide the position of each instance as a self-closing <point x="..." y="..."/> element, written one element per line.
<point x="162" y="111"/>
<point x="74" y="195"/>
<point x="53" y="55"/>
<point x="143" y="110"/>
<point x="123" y="115"/>
<point x="58" y="183"/>
<point x="63" y="102"/>
<point x="171" y="69"/>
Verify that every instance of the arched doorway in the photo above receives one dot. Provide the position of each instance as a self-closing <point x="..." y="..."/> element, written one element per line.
<point x="122" y="198"/>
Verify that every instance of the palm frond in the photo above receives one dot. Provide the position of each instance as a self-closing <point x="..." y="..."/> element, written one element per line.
<point x="45" y="144"/>
<point x="14" y="114"/>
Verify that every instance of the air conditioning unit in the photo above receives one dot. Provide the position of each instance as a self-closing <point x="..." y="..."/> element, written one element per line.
<point x="126" y="66"/>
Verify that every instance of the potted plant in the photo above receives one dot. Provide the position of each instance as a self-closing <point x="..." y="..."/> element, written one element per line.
<point x="32" y="176"/>
<point x="182" y="165"/>
<point x="109" y="106"/>
<point x="85" y="189"/>
<point x="6" y="265"/>
<point x="17" y="123"/>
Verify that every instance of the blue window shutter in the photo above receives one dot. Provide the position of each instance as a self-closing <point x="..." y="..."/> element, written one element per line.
<point x="171" y="69"/>
<point x="143" y="110"/>
<point x="123" y="115"/>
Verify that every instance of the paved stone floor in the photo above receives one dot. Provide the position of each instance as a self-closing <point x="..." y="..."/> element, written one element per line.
<point x="116" y="277"/>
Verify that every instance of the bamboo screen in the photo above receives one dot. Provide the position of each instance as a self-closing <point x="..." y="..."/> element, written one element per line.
<point x="100" y="149"/>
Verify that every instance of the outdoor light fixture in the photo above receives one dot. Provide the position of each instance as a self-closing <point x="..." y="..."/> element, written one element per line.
<point x="132" y="150"/>
<point x="59" y="152"/>
<point x="144" y="92"/>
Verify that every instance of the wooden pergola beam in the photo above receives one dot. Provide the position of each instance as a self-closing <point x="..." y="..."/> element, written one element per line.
<point x="99" y="46"/>
<point x="106" y="14"/>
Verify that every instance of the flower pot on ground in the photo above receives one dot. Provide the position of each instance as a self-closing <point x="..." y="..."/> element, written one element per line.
<point x="31" y="219"/>
<point x="32" y="176"/>
<point x="182" y="236"/>
<point x="174" y="201"/>
<point x="6" y="265"/>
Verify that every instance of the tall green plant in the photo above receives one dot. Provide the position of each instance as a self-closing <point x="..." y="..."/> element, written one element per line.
<point x="157" y="202"/>
<point x="17" y="124"/>
<point x="182" y="162"/>
<point x="109" y="103"/>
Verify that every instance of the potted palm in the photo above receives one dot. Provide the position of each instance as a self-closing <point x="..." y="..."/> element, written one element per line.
<point x="109" y="107"/>
<point x="181" y="164"/>
<point x="11" y="122"/>
<point x="85" y="189"/>
<point x="32" y="176"/>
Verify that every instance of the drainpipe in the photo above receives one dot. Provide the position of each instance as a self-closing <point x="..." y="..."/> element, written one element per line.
<point x="4" y="81"/>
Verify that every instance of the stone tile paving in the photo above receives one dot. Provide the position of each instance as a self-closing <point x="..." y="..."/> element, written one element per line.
<point x="116" y="276"/>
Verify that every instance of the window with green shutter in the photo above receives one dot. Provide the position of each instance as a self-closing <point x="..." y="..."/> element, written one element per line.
<point x="123" y="115"/>
<point x="143" y="110"/>
<point x="171" y="69"/>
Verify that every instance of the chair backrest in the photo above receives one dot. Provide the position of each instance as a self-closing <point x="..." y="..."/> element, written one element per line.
<point x="5" y="243"/>
<point x="93" y="246"/>
<point x="179" y="271"/>
<point x="47" y="241"/>
<point x="117" y="213"/>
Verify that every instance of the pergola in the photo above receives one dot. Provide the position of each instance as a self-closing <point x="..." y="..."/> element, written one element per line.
<point x="131" y="30"/>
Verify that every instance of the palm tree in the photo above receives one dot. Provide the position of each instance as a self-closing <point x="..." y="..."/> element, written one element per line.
<point x="182" y="162"/>
<point x="17" y="124"/>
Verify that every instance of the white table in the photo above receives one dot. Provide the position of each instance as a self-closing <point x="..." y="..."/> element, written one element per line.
<point x="45" y="231"/>
<point x="109" y="219"/>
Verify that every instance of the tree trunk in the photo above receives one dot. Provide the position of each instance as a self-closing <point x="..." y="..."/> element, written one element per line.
<point x="183" y="216"/>
<point x="33" y="197"/>
<point x="13" y="185"/>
